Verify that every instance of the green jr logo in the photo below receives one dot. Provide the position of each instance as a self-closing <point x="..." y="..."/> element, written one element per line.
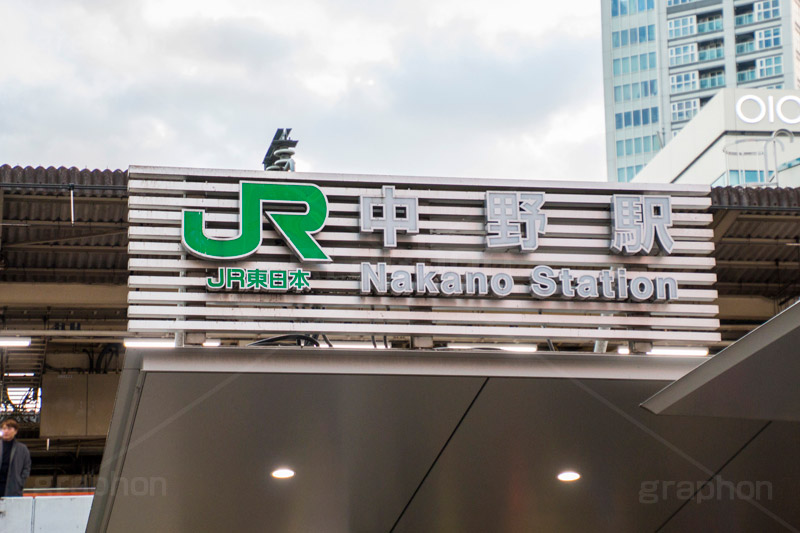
<point x="295" y="227"/>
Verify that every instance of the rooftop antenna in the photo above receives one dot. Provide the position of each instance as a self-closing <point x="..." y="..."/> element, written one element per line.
<point x="280" y="152"/>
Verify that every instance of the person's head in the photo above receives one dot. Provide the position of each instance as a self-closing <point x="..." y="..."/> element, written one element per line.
<point x="9" y="428"/>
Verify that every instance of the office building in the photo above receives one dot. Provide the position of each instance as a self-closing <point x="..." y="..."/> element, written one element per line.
<point x="663" y="61"/>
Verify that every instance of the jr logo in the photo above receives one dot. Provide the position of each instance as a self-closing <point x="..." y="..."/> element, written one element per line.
<point x="282" y="202"/>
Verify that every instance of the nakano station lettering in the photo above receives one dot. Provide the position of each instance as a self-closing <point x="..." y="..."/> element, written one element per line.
<point x="514" y="220"/>
<point x="356" y="256"/>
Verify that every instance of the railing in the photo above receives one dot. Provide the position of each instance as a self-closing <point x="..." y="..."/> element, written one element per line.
<point x="45" y="513"/>
<point x="710" y="53"/>
<point x="747" y="18"/>
<point x="709" y="25"/>
<point x="746" y="75"/>
<point x="684" y="88"/>
<point x="712" y="81"/>
<point x="743" y="48"/>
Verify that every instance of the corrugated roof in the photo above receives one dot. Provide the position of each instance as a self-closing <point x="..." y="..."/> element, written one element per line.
<point x="97" y="183"/>
<point x="755" y="197"/>
<point x="64" y="225"/>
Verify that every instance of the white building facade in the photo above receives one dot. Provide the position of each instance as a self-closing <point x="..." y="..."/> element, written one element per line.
<point x="664" y="60"/>
<point x="743" y="137"/>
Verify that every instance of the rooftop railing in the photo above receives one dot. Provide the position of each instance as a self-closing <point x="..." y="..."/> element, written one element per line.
<point x="746" y="75"/>
<point x="710" y="54"/>
<point x="712" y="81"/>
<point x="709" y="25"/>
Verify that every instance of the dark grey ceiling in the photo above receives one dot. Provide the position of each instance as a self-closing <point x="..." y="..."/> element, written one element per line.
<point x="414" y="453"/>
<point x="755" y="378"/>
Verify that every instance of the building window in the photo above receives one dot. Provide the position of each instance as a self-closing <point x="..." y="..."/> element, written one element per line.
<point x="637" y="145"/>
<point x="638" y="117"/>
<point x="634" y="91"/>
<point x="683" y="54"/>
<point x="633" y="64"/>
<point x="769" y="9"/>
<point x="744" y="177"/>
<point x="685" y="110"/>
<point x="682" y="27"/>
<point x="639" y="34"/>
<point x="629" y="7"/>
<point x="769" y="66"/>
<point x="679" y="83"/>
<point x="768" y="38"/>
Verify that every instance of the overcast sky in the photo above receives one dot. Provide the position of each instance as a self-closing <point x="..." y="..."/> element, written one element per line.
<point x="434" y="87"/>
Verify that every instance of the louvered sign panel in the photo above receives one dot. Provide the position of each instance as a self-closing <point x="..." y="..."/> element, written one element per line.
<point x="352" y="256"/>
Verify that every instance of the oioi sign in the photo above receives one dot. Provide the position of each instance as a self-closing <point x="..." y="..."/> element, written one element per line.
<point x="770" y="109"/>
<point x="276" y="200"/>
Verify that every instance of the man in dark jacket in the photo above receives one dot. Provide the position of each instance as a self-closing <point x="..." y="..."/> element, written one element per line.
<point x="15" y="460"/>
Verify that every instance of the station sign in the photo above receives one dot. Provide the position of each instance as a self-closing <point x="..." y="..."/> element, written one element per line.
<point x="375" y="255"/>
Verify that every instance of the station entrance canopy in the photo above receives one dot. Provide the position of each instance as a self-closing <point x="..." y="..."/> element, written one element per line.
<point x="242" y="253"/>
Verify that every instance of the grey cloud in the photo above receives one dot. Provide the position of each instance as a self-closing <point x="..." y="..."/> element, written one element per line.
<point x="437" y="109"/>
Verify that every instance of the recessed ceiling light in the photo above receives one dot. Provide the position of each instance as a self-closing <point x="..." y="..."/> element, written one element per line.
<point x="359" y="345"/>
<point x="569" y="476"/>
<point x="283" y="473"/>
<point x="140" y="342"/>
<point x="19" y="342"/>
<point x="523" y="348"/>
<point x="664" y="350"/>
